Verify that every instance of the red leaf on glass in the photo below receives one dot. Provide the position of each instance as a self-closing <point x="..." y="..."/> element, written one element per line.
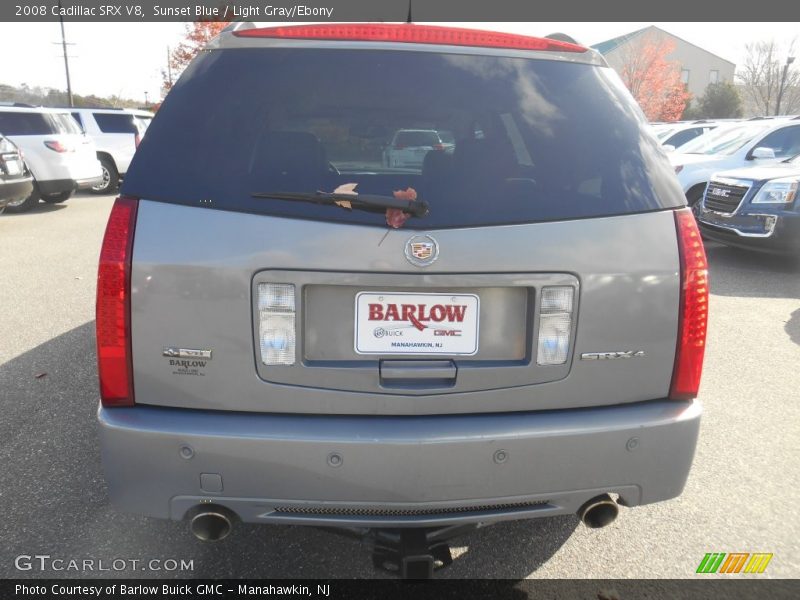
<point x="395" y="217"/>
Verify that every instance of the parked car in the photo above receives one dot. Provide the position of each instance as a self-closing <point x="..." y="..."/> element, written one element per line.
<point x="754" y="208"/>
<point x="744" y="144"/>
<point x="288" y="335"/>
<point x="408" y="147"/>
<point x="60" y="158"/>
<point x="676" y="135"/>
<point x="116" y="134"/>
<point x="16" y="183"/>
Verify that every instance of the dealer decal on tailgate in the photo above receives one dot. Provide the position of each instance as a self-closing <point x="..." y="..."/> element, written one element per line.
<point x="404" y="323"/>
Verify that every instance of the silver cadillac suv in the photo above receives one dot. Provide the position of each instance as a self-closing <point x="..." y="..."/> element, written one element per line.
<point x="292" y="331"/>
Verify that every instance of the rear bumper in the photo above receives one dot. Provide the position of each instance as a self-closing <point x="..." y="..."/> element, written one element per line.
<point x="83" y="184"/>
<point x="15" y="189"/>
<point x="395" y="471"/>
<point x="57" y="186"/>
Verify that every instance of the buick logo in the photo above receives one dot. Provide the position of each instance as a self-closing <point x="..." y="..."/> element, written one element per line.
<point x="422" y="250"/>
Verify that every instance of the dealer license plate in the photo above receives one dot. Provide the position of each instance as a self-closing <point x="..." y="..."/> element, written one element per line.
<point x="409" y="323"/>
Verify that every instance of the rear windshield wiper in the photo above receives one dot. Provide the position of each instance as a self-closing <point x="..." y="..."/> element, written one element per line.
<point x="368" y="202"/>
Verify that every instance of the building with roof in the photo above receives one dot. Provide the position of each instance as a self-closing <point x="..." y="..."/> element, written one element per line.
<point x="698" y="66"/>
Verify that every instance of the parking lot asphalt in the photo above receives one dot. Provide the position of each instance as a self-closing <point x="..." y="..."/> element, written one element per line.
<point x="742" y="494"/>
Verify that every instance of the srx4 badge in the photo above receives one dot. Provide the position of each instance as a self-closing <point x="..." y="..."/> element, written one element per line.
<point x="612" y="355"/>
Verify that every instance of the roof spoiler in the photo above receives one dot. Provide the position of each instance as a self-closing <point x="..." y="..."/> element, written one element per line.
<point x="239" y="26"/>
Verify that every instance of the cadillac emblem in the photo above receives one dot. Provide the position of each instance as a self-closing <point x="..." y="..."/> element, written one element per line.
<point x="422" y="250"/>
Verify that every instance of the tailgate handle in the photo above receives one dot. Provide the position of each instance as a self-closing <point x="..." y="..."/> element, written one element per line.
<point x="428" y="373"/>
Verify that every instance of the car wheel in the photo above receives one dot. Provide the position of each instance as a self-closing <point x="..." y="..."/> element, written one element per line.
<point x="56" y="198"/>
<point x="693" y="195"/>
<point x="24" y="204"/>
<point x="110" y="178"/>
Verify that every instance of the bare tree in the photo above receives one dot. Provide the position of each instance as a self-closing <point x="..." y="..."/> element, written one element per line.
<point x="762" y="76"/>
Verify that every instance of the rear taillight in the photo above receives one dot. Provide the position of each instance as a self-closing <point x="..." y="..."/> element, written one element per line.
<point x="438" y="146"/>
<point x="56" y="146"/>
<point x="411" y="33"/>
<point x="136" y="139"/>
<point x="693" y="318"/>
<point x="113" y="320"/>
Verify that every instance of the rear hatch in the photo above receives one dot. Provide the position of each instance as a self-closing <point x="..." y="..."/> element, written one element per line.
<point x="549" y="242"/>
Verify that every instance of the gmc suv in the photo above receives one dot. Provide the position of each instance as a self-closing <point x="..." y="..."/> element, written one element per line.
<point x="290" y="332"/>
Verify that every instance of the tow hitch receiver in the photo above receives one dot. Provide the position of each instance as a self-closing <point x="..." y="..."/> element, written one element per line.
<point x="409" y="553"/>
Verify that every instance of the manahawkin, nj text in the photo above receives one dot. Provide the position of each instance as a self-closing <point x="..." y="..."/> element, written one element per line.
<point x="170" y="590"/>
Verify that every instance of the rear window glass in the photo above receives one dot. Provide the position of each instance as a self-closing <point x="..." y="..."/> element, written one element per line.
<point x="531" y="139"/>
<point x="142" y="123"/>
<point x="416" y="138"/>
<point x="120" y="123"/>
<point x="78" y="120"/>
<point x="66" y="123"/>
<point x="28" y="123"/>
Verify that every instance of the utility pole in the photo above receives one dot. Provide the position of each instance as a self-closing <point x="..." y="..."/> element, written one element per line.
<point x="66" y="58"/>
<point x="789" y="60"/>
<point x="169" y="69"/>
<point x="146" y="103"/>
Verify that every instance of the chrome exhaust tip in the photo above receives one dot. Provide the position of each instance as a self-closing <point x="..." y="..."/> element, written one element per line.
<point x="598" y="512"/>
<point x="211" y="524"/>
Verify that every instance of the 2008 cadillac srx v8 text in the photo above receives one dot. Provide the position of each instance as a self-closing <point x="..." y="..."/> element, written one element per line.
<point x="292" y="330"/>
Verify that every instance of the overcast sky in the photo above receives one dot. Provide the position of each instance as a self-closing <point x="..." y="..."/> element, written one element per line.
<point x="127" y="58"/>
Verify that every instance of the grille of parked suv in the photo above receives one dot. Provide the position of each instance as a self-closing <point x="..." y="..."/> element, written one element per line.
<point x="404" y="512"/>
<point x="723" y="197"/>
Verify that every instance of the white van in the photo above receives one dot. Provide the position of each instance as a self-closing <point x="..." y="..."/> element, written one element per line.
<point x="57" y="153"/>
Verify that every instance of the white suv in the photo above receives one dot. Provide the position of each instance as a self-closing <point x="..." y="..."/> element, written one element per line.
<point x="58" y="155"/>
<point x="409" y="147"/>
<point x="116" y="133"/>
<point x="745" y="144"/>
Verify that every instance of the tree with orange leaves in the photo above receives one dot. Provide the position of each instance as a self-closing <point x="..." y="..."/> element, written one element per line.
<point x="653" y="80"/>
<point x="198" y="34"/>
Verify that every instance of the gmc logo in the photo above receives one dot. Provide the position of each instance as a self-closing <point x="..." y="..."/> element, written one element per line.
<point x="722" y="193"/>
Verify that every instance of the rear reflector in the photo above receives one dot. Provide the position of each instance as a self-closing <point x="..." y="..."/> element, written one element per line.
<point x="413" y="34"/>
<point x="693" y="318"/>
<point x="113" y="306"/>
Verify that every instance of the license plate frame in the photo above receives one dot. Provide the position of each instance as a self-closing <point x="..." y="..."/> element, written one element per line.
<point x="438" y="323"/>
